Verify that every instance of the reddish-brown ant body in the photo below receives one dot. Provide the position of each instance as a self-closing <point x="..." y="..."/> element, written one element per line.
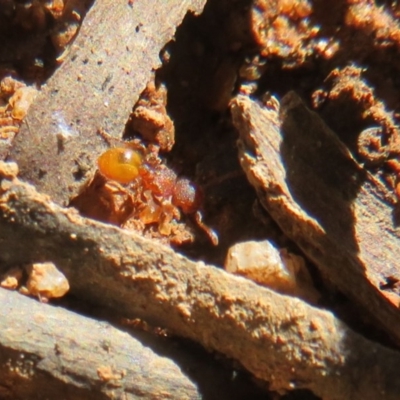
<point x="162" y="191"/>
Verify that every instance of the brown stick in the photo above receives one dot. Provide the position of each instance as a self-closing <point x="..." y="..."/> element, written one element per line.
<point x="278" y="338"/>
<point x="46" y="351"/>
<point x="106" y="69"/>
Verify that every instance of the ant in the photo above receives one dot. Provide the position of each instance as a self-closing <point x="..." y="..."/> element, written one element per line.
<point x="162" y="191"/>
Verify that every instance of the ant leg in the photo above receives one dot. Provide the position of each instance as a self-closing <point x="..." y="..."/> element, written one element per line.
<point x="212" y="235"/>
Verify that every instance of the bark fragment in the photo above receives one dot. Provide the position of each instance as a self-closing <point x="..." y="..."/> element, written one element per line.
<point x="341" y="216"/>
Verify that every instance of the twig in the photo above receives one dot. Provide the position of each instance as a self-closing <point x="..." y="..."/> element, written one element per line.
<point x="45" y="351"/>
<point x="278" y="338"/>
<point x="107" y="67"/>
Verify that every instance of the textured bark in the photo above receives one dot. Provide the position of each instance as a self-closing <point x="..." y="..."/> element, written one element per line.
<point x="106" y="69"/>
<point x="340" y="215"/>
<point x="278" y="338"/>
<point x="46" y="351"/>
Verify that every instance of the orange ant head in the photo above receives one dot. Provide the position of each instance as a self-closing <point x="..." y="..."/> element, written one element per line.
<point x="120" y="164"/>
